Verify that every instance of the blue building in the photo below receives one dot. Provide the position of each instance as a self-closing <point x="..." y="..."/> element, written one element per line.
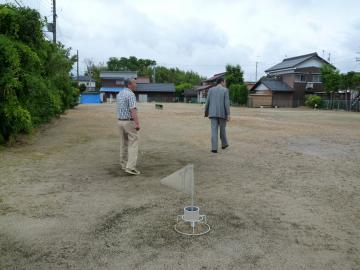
<point x="90" y="98"/>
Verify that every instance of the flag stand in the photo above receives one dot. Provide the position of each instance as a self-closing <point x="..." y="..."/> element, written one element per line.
<point x="191" y="222"/>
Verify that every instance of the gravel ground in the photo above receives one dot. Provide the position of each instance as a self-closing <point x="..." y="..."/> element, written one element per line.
<point x="285" y="195"/>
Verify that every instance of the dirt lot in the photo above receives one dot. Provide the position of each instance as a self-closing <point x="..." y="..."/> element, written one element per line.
<point x="285" y="195"/>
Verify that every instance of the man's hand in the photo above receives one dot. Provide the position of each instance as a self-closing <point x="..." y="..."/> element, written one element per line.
<point x="228" y="118"/>
<point x="134" y="115"/>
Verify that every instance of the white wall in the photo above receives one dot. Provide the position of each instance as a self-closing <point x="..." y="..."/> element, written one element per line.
<point x="313" y="62"/>
<point x="261" y="87"/>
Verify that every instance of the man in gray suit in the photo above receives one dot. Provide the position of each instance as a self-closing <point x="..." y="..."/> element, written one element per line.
<point x="217" y="108"/>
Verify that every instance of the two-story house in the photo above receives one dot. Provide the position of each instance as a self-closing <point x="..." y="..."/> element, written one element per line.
<point x="287" y="83"/>
<point x="112" y="82"/>
<point x="206" y="85"/>
<point x="87" y="81"/>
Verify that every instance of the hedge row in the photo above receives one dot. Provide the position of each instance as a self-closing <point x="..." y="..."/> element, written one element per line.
<point x="35" y="82"/>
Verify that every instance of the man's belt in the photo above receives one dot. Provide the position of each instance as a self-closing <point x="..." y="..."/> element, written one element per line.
<point x="128" y="119"/>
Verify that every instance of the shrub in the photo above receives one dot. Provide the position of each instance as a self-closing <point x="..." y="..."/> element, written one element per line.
<point x="314" y="101"/>
<point x="238" y="93"/>
<point x="17" y="119"/>
<point x="82" y="88"/>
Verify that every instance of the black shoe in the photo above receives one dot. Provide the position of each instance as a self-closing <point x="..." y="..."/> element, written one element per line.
<point x="224" y="147"/>
<point x="214" y="151"/>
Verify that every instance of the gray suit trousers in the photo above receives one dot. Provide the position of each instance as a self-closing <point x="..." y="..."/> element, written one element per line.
<point x="215" y="124"/>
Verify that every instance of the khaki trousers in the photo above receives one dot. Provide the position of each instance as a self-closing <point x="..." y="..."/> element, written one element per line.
<point x="129" y="144"/>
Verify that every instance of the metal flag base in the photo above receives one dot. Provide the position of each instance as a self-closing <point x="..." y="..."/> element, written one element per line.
<point x="192" y="223"/>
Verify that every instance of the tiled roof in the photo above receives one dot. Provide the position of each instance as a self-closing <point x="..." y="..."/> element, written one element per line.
<point x="216" y="76"/>
<point x="111" y="89"/>
<point x="273" y="85"/>
<point x="203" y="87"/>
<point x="155" y="87"/>
<point x="83" y="78"/>
<point x="292" y="62"/>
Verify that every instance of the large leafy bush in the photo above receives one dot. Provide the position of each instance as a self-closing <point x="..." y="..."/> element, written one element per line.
<point x="35" y="83"/>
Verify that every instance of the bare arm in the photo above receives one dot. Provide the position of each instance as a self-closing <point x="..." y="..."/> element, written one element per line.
<point x="134" y="116"/>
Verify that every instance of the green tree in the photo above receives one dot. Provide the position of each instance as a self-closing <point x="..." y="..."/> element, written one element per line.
<point x="234" y="75"/>
<point x="313" y="101"/>
<point x="243" y="95"/>
<point x="180" y="88"/>
<point x="350" y="81"/>
<point x="331" y="79"/>
<point x="95" y="73"/>
<point x="82" y="88"/>
<point x="142" y="66"/>
<point x="234" y="93"/>
<point x="234" y="78"/>
<point x="177" y="76"/>
<point x="238" y="94"/>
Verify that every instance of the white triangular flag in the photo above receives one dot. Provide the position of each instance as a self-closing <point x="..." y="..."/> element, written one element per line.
<point x="181" y="180"/>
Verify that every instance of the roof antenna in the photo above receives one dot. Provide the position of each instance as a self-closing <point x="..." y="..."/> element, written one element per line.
<point x="191" y="222"/>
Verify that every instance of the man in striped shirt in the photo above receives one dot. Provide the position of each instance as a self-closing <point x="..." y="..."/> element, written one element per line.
<point x="129" y="127"/>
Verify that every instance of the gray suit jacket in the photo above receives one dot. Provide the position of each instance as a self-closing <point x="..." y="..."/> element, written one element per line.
<point x="217" y="102"/>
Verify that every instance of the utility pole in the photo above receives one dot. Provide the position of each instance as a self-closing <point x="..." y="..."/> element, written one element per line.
<point x="54" y="21"/>
<point x="77" y="65"/>
<point x="154" y="74"/>
<point x="256" y="67"/>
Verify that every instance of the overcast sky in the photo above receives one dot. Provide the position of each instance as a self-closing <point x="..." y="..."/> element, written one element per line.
<point x="204" y="36"/>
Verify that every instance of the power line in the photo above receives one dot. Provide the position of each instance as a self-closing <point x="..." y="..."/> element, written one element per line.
<point x="16" y="1"/>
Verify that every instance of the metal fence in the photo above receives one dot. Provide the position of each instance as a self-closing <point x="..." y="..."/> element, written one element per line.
<point x="347" y="105"/>
<point x="327" y="104"/>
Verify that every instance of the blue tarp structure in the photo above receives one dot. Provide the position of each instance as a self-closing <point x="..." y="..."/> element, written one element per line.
<point x="90" y="98"/>
<point x="111" y="89"/>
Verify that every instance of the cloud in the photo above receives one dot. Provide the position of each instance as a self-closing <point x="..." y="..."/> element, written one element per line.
<point x="206" y="35"/>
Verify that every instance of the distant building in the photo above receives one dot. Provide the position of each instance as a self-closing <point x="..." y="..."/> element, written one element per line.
<point x="190" y="96"/>
<point x="143" y="80"/>
<point x="159" y="92"/>
<point x="287" y="83"/>
<point x="90" y="97"/>
<point x="206" y="85"/>
<point x="112" y="82"/>
<point x="87" y="81"/>
<point x="249" y="85"/>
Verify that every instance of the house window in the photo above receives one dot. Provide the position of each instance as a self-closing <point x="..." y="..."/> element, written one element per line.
<point x="316" y="78"/>
<point x="300" y="78"/>
<point x="118" y="82"/>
